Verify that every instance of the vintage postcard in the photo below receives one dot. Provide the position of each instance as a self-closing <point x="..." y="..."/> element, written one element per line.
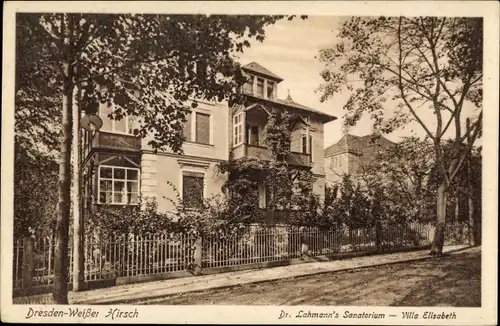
<point x="256" y="162"/>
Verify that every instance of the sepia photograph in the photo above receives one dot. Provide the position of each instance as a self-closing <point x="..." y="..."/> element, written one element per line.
<point x="319" y="166"/>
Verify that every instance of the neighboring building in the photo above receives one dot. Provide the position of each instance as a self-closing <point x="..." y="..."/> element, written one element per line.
<point x="350" y="153"/>
<point x="118" y="167"/>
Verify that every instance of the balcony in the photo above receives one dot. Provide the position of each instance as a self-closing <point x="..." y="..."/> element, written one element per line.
<point x="246" y="150"/>
<point x="114" y="141"/>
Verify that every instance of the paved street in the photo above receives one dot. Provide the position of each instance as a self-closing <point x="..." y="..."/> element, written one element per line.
<point x="158" y="291"/>
<point x="454" y="281"/>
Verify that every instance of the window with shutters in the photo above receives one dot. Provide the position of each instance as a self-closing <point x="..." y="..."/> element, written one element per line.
<point x="197" y="127"/>
<point x="202" y="128"/>
<point x="192" y="189"/>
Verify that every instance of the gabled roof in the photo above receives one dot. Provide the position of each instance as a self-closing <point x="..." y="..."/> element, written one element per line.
<point x="356" y="144"/>
<point x="256" y="68"/>
<point x="324" y="116"/>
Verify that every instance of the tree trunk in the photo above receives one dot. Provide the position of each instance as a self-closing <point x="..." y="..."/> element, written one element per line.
<point x="470" y="194"/>
<point x="78" y="255"/>
<point x="60" y="291"/>
<point x="438" y="242"/>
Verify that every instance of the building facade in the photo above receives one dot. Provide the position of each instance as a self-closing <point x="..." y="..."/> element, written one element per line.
<point x="350" y="154"/>
<point x="119" y="167"/>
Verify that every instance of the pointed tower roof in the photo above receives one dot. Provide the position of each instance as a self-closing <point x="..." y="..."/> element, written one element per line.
<point x="258" y="69"/>
<point x="289" y="98"/>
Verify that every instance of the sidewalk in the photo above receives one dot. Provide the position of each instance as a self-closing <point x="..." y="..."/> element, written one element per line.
<point x="135" y="293"/>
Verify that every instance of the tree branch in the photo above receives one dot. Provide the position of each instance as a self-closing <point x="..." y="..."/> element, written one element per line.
<point x="477" y="128"/>
<point x="403" y="95"/>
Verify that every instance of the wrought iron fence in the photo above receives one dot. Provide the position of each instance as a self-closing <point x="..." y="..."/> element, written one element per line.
<point x="108" y="257"/>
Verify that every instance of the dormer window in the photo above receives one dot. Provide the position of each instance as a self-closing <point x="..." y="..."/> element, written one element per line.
<point x="260" y="87"/>
<point x="270" y="89"/>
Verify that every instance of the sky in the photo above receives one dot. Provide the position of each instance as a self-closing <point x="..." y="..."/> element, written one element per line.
<point x="289" y="51"/>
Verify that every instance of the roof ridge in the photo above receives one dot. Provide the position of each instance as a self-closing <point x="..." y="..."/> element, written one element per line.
<point x="261" y="69"/>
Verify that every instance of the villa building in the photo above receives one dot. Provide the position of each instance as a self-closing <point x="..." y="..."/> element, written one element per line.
<point x="120" y="167"/>
<point x="350" y="153"/>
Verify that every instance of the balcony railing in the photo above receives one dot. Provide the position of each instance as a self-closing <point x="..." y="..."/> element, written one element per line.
<point x="116" y="141"/>
<point x="246" y="150"/>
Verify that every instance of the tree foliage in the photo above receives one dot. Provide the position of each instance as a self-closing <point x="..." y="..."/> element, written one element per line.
<point x="148" y="64"/>
<point x="402" y="175"/>
<point x="411" y="68"/>
<point x="142" y="65"/>
<point x="35" y="193"/>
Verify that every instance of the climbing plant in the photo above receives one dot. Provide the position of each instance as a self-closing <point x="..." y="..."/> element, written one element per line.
<point x="289" y="188"/>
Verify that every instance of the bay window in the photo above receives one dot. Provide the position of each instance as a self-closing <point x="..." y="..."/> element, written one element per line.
<point x="118" y="185"/>
<point x="238" y="129"/>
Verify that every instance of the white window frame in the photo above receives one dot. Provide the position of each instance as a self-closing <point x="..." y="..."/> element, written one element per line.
<point x="112" y="179"/>
<point x="113" y="122"/>
<point x="194" y="170"/>
<point x="238" y="133"/>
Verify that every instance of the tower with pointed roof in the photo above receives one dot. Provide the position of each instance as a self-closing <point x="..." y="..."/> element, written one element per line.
<point x="248" y="121"/>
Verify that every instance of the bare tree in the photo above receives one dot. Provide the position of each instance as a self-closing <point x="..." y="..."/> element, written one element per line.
<point x="424" y="65"/>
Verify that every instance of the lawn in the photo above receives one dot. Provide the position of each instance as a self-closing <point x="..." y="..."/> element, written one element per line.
<point x="450" y="281"/>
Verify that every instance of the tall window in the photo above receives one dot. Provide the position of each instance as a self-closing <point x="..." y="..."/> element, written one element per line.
<point x="252" y="135"/>
<point x="201" y="68"/>
<point x="125" y="125"/>
<point x="260" y="87"/>
<point x="238" y="129"/>
<point x="192" y="189"/>
<point x="304" y="144"/>
<point x="202" y="128"/>
<point x="270" y="89"/>
<point x="118" y="185"/>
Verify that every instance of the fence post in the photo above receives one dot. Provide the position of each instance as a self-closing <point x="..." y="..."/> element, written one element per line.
<point x="198" y="256"/>
<point x="378" y="236"/>
<point x="27" y="264"/>
<point x="304" y="246"/>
